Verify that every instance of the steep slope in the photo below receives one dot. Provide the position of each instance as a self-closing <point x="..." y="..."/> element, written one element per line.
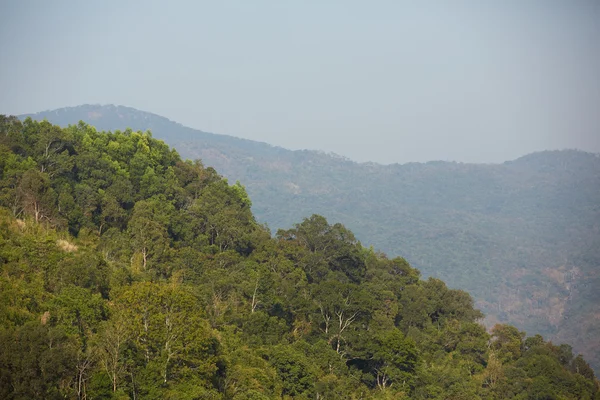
<point x="127" y="273"/>
<point x="523" y="237"/>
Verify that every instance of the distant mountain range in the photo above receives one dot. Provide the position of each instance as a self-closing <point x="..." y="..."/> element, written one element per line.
<point x="523" y="237"/>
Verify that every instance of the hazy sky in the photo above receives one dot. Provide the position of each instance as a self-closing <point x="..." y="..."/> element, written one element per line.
<point x="386" y="81"/>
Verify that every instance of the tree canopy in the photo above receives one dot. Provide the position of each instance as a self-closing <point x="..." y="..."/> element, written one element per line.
<point x="126" y="272"/>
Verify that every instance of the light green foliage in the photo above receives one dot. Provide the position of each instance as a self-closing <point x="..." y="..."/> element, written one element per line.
<point x="126" y="272"/>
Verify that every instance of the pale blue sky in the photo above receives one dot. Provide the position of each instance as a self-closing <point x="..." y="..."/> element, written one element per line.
<point x="385" y="81"/>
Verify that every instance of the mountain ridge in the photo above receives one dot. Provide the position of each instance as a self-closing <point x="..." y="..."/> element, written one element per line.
<point x="93" y="116"/>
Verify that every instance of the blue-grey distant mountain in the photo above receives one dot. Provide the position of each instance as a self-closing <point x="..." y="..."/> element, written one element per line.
<point x="523" y="236"/>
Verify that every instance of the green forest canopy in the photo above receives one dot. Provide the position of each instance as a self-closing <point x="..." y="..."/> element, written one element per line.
<point x="126" y="272"/>
<point x="521" y="237"/>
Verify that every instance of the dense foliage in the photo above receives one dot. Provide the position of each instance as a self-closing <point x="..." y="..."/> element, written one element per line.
<point x="521" y="237"/>
<point x="126" y="272"/>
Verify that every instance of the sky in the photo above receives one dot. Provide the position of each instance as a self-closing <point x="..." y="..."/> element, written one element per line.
<point x="383" y="81"/>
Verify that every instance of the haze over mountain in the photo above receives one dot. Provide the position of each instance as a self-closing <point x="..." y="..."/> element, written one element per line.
<point x="395" y="81"/>
<point x="522" y="236"/>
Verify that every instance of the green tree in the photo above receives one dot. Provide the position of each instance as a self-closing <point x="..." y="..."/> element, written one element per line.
<point x="148" y="230"/>
<point x="36" y="362"/>
<point x="507" y="342"/>
<point x="393" y="359"/>
<point x="37" y="196"/>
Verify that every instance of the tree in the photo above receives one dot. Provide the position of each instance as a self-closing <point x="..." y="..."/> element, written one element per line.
<point x="338" y="307"/>
<point x="78" y="311"/>
<point x="110" y="345"/>
<point x="37" y="196"/>
<point x="507" y="342"/>
<point x="12" y="168"/>
<point x="36" y="361"/>
<point x="148" y="230"/>
<point x="393" y="359"/>
<point x="223" y="216"/>
<point x="168" y="331"/>
<point x="331" y="247"/>
<point x="294" y="371"/>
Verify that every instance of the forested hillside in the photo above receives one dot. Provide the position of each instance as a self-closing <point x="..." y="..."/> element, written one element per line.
<point x="126" y="272"/>
<point x="522" y="237"/>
